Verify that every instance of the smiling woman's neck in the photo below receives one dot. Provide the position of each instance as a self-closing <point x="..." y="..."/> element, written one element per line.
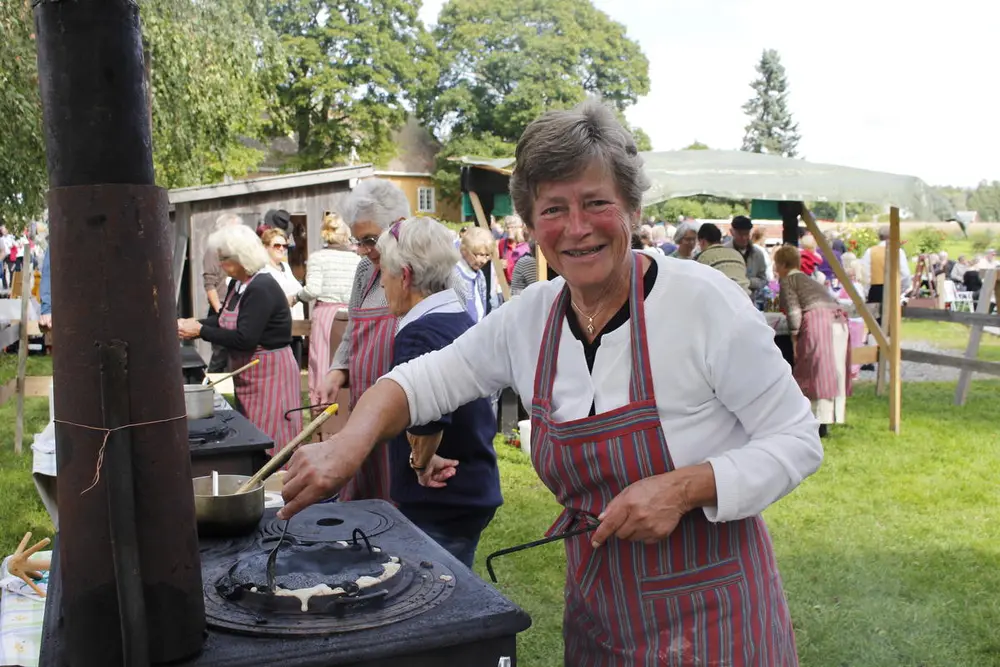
<point x="604" y="300"/>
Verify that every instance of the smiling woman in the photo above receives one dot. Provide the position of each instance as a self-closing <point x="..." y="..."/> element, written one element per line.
<point x="677" y="455"/>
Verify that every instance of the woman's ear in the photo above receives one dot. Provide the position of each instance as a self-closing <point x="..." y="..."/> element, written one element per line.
<point x="407" y="277"/>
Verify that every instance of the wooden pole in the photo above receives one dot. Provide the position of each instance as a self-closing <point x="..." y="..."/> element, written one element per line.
<point x="22" y="350"/>
<point x="881" y="368"/>
<point x="975" y="336"/>
<point x="895" y="325"/>
<point x="543" y="265"/>
<point x="483" y="222"/>
<point x="880" y="339"/>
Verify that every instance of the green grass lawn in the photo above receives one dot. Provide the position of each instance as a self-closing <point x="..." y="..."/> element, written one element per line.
<point x="951" y="337"/>
<point x="890" y="553"/>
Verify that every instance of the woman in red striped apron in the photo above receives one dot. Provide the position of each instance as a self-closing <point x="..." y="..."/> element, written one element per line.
<point x="254" y="323"/>
<point x="710" y="594"/>
<point x="673" y="456"/>
<point x="821" y="339"/>
<point x="365" y="353"/>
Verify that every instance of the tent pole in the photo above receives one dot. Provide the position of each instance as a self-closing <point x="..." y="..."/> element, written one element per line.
<point x="895" y="324"/>
<point x="483" y="222"/>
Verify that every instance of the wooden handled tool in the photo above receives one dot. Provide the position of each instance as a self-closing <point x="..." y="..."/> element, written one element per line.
<point x="286" y="452"/>
<point x="229" y="375"/>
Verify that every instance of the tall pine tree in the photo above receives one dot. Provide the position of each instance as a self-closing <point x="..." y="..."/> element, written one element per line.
<point x="770" y="129"/>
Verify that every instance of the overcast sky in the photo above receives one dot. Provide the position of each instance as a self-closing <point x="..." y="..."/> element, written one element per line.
<point x="890" y="85"/>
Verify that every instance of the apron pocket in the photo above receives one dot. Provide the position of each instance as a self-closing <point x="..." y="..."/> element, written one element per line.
<point x="698" y="579"/>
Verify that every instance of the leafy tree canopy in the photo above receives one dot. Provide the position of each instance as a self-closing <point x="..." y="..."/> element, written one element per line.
<point x="213" y="66"/>
<point x="351" y="67"/>
<point x="23" y="175"/>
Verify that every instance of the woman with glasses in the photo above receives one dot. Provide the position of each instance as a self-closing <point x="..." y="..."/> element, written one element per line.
<point x="365" y="351"/>
<point x="254" y="323"/>
<point x="276" y="243"/>
<point x="474" y="255"/>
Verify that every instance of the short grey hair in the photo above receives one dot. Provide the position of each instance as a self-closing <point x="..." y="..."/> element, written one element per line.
<point x="478" y="237"/>
<point x="884" y="233"/>
<point x="424" y="245"/>
<point x="376" y="200"/>
<point x="240" y="244"/>
<point x="560" y="145"/>
<point x="683" y="229"/>
<point x="226" y="220"/>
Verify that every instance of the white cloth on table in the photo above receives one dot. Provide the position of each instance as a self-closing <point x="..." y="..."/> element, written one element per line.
<point x="21" y="617"/>
<point x="724" y="393"/>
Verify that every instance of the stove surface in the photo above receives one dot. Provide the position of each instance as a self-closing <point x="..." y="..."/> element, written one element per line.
<point x="225" y="432"/>
<point x="437" y="611"/>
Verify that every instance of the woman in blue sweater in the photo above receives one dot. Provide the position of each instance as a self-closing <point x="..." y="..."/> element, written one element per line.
<point x="444" y="475"/>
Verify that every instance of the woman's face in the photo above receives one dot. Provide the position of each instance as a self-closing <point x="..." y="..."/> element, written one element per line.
<point x="278" y="250"/>
<point x="686" y="245"/>
<point x="583" y="227"/>
<point x="476" y="258"/>
<point x="232" y="268"/>
<point x="397" y="292"/>
<point x="366" y="233"/>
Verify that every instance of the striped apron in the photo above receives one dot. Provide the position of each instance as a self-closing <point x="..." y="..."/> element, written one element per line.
<point x="266" y="391"/>
<point x="815" y="368"/>
<point x="709" y="594"/>
<point x="322" y="317"/>
<point x="373" y="331"/>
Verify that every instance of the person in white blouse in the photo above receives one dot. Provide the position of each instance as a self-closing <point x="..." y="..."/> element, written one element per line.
<point x="668" y="460"/>
<point x="276" y="243"/>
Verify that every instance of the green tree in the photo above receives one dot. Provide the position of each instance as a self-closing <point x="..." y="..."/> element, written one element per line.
<point x="213" y="66"/>
<point x="23" y="176"/>
<point x="985" y="199"/>
<point x="771" y="129"/>
<point x="696" y="146"/>
<point x="350" y="66"/>
<point x="502" y="63"/>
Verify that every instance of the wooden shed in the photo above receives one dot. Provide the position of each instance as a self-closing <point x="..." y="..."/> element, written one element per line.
<point x="307" y="196"/>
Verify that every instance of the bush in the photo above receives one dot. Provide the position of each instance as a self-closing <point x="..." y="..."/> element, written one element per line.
<point x="858" y="239"/>
<point x="927" y="239"/>
<point x="981" y="241"/>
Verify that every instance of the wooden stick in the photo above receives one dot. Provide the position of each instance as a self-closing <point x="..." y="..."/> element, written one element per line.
<point x="286" y="452"/>
<point x="236" y="372"/>
<point x="22" y="351"/>
<point x="543" y="265"/>
<point x="845" y="282"/>
<point x="895" y="325"/>
<point x="975" y="337"/>
<point x="483" y="222"/>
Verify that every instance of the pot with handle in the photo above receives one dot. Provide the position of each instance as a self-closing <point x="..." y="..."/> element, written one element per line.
<point x="199" y="401"/>
<point x="227" y="514"/>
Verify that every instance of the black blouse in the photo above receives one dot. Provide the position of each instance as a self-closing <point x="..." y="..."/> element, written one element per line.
<point x="264" y="320"/>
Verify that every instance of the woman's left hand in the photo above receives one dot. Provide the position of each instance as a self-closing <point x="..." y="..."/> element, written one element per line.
<point x="188" y="329"/>
<point x="292" y="300"/>
<point x="650" y="509"/>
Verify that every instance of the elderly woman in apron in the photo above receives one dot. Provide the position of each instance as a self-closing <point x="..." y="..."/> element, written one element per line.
<point x="365" y="352"/>
<point x="255" y="322"/>
<point x="671" y="459"/>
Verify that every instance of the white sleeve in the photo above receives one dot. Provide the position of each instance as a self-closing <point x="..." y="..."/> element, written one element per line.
<point x="866" y="268"/>
<point x="904" y="271"/>
<point x="476" y="365"/>
<point x="753" y="381"/>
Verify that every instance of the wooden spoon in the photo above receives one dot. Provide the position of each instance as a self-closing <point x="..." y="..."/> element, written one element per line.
<point x="286" y="452"/>
<point x="229" y="375"/>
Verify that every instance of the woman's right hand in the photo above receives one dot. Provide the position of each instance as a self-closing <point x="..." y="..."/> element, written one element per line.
<point x="332" y="384"/>
<point x="316" y="472"/>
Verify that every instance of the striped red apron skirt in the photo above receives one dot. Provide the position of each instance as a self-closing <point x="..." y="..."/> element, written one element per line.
<point x="709" y="594"/>
<point x="266" y="391"/>
<point x="815" y="359"/>
<point x="322" y="316"/>
<point x="373" y="331"/>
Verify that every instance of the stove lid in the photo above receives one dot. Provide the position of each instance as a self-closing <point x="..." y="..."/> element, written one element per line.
<point x="215" y="427"/>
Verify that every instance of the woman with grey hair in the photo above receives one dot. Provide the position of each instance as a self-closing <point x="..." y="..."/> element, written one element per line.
<point x="254" y="322"/>
<point x="365" y="351"/>
<point x="686" y="238"/>
<point x="673" y="562"/>
<point x="444" y="474"/>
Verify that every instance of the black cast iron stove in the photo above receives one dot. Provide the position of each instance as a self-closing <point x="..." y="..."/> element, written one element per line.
<point x="228" y="443"/>
<point x="431" y="611"/>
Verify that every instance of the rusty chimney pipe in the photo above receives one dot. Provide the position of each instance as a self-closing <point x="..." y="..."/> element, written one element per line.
<point x="125" y="543"/>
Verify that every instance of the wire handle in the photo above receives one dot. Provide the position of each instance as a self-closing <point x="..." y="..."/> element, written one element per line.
<point x="591" y="524"/>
